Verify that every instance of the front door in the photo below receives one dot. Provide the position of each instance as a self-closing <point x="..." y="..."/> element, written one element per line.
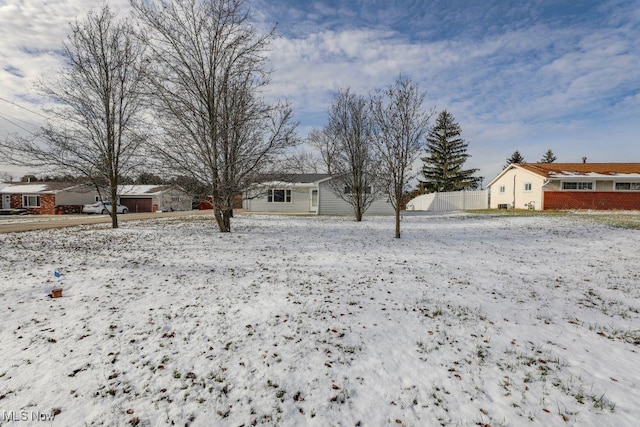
<point x="6" y="201"/>
<point x="313" y="201"/>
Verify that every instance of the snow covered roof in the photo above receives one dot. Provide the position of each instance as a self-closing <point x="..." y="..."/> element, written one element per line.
<point x="584" y="170"/>
<point x="302" y="180"/>
<point x="142" y="190"/>
<point x="36" y="188"/>
<point x="286" y="184"/>
<point x="573" y="171"/>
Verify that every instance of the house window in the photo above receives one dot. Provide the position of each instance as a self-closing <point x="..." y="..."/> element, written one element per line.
<point x="577" y="185"/>
<point x="503" y="189"/>
<point x="279" y="196"/>
<point x="30" y="201"/>
<point x="628" y="186"/>
<point x="527" y="186"/>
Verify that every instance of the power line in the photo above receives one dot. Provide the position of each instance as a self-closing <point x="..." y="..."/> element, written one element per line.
<point x="15" y="118"/>
<point x="26" y="109"/>
<point x="15" y="124"/>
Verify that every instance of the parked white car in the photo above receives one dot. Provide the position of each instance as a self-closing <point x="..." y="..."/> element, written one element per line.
<point x="103" y="208"/>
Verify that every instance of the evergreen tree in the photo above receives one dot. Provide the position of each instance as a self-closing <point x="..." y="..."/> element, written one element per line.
<point x="548" y="157"/>
<point x="516" y="157"/>
<point x="446" y="154"/>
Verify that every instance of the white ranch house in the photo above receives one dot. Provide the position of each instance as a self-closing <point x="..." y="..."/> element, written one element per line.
<point x="309" y="194"/>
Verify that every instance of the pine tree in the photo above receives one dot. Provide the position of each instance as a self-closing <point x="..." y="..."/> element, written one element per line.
<point x="446" y="154"/>
<point x="516" y="157"/>
<point x="548" y="157"/>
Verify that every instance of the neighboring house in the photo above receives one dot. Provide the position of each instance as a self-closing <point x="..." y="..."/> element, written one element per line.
<point x="567" y="186"/>
<point x="46" y="198"/>
<point x="153" y="198"/>
<point x="304" y="194"/>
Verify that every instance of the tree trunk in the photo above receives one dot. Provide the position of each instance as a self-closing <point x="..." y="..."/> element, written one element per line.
<point x="114" y="205"/>
<point x="358" y="213"/>
<point x="226" y="219"/>
<point x="224" y="223"/>
<point x="398" y="221"/>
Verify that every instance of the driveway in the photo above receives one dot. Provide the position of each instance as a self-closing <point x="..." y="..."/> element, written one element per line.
<point x="13" y="224"/>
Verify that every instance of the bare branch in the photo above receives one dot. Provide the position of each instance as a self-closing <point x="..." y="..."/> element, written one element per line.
<point x="95" y="129"/>
<point x="347" y="147"/>
<point x="400" y="125"/>
<point x="208" y="72"/>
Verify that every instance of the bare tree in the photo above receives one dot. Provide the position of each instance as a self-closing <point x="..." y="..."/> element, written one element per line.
<point x="208" y="74"/>
<point x="5" y="177"/>
<point x="95" y="130"/>
<point x="348" y="139"/>
<point x="326" y="145"/>
<point x="400" y="125"/>
<point x="301" y="162"/>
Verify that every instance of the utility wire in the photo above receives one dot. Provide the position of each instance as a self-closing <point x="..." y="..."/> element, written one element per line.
<point x="15" y="118"/>
<point x="15" y="124"/>
<point x="20" y="106"/>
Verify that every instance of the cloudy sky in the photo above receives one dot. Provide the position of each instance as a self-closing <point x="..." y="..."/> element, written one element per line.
<point x="528" y="76"/>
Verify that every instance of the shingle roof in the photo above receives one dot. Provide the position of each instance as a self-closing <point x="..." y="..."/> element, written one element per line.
<point x="305" y="178"/>
<point x="37" y="187"/>
<point x="141" y="190"/>
<point x="549" y="170"/>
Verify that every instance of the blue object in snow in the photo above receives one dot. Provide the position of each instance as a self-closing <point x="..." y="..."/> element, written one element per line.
<point x="57" y="274"/>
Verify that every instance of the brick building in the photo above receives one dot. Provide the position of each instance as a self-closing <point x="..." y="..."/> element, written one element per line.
<point x="46" y="198"/>
<point x="567" y="186"/>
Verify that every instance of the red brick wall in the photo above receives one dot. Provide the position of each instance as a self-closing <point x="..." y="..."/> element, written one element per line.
<point x="16" y="201"/>
<point x="591" y="200"/>
<point x="47" y="204"/>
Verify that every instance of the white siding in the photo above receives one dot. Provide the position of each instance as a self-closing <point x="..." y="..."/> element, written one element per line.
<point x="450" y="201"/>
<point x="517" y="197"/>
<point x="330" y="204"/>
<point x="300" y="202"/>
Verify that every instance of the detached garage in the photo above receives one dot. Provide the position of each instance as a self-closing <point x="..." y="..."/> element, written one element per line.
<point x="154" y="198"/>
<point x="138" y="204"/>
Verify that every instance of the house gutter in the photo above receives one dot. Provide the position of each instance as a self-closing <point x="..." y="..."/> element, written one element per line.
<point x="513" y="204"/>
<point x="544" y="183"/>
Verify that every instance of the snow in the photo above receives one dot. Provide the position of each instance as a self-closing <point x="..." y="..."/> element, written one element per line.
<point x="140" y="190"/>
<point x="466" y="320"/>
<point x="287" y="184"/>
<point x="568" y="174"/>
<point x="24" y="188"/>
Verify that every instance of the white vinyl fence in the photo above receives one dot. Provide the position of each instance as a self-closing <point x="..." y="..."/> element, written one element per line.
<point x="453" y="201"/>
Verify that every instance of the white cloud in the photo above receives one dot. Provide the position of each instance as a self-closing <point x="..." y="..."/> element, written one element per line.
<point x="513" y="76"/>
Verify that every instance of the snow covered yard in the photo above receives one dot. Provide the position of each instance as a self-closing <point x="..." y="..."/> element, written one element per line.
<point x="467" y="320"/>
